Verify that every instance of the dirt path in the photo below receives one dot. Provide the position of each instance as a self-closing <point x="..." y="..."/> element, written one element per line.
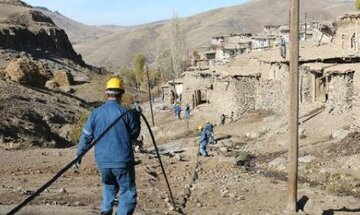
<point x="218" y="187"/>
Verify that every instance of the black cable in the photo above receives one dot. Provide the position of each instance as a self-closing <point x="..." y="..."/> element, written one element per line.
<point x="161" y="164"/>
<point x="63" y="170"/>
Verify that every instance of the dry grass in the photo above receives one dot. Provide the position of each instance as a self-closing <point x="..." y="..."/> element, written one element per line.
<point x="342" y="185"/>
<point x="76" y="129"/>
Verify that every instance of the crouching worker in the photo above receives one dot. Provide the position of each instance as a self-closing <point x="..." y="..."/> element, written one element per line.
<point x="206" y="137"/>
<point x="114" y="152"/>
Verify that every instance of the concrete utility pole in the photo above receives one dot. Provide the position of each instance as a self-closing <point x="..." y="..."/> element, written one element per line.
<point x="150" y="98"/>
<point x="293" y="107"/>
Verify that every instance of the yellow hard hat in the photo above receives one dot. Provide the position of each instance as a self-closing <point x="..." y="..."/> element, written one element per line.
<point x="200" y="127"/>
<point x="115" y="84"/>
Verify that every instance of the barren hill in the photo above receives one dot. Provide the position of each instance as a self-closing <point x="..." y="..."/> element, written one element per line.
<point x="118" y="45"/>
<point x="79" y="32"/>
<point x="38" y="71"/>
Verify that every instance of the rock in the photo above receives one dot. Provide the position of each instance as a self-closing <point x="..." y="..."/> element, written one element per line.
<point x="66" y="89"/>
<point x="25" y="71"/>
<point x="253" y="135"/>
<point x="307" y="159"/>
<point x="28" y="192"/>
<point x="225" y="193"/>
<point x="340" y="134"/>
<point x="243" y="156"/>
<point x="64" y="131"/>
<point x="199" y="204"/>
<point x="171" y="207"/>
<point x="279" y="163"/>
<point x="51" y="84"/>
<point x="63" y="78"/>
<point x="223" y="149"/>
<point x="178" y="157"/>
<point x="62" y="190"/>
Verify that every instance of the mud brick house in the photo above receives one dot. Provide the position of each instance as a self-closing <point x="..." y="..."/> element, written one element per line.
<point x="347" y="31"/>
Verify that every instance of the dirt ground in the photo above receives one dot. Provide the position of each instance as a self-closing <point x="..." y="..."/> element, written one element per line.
<point x="327" y="185"/>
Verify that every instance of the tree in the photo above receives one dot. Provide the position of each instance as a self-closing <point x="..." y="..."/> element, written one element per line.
<point x="177" y="48"/>
<point x="138" y="67"/>
<point x="163" y="64"/>
<point x="154" y="78"/>
<point x="128" y="76"/>
<point x="357" y="4"/>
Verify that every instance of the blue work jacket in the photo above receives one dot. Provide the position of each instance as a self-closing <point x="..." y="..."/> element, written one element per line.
<point x="114" y="149"/>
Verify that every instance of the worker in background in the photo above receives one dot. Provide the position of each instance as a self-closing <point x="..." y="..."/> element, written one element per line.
<point x="178" y="111"/>
<point x="187" y="111"/>
<point x="232" y="116"/>
<point x="113" y="152"/>
<point x="282" y="47"/>
<point x="206" y="137"/>
<point x="222" y="119"/>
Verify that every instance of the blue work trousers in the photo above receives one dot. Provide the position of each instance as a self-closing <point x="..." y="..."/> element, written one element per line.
<point x="122" y="181"/>
<point x="202" y="149"/>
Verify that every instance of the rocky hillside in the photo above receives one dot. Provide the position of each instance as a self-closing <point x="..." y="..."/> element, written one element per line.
<point x="25" y="29"/>
<point x="39" y="75"/>
<point x="119" y="46"/>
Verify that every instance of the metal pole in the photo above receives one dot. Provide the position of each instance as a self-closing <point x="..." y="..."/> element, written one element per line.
<point x="293" y="107"/>
<point x="150" y="99"/>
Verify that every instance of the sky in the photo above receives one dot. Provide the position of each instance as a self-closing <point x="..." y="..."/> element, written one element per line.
<point x="129" y="12"/>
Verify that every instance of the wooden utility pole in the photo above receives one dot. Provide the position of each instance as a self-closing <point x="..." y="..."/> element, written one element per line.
<point x="150" y="98"/>
<point x="305" y="26"/>
<point x="293" y="107"/>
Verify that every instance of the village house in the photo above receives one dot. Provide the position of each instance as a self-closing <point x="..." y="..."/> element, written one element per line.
<point x="347" y="31"/>
<point x="329" y="72"/>
<point x="262" y="41"/>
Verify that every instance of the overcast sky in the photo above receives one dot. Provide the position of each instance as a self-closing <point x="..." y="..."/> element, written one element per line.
<point x="129" y="12"/>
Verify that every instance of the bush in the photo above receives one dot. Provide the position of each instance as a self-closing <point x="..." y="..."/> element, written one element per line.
<point x="357" y="4"/>
<point x="77" y="127"/>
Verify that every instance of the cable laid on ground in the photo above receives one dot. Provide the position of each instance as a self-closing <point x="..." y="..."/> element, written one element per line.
<point x="63" y="170"/>
<point x="161" y="164"/>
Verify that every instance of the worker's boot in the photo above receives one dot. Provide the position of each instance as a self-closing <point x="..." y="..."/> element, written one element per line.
<point x="106" y="213"/>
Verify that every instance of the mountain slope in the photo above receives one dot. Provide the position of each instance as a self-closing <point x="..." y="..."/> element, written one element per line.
<point x="78" y="32"/>
<point x="118" y="46"/>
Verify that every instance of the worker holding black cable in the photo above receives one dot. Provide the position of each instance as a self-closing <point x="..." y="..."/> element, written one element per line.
<point x="114" y="153"/>
<point x="119" y="178"/>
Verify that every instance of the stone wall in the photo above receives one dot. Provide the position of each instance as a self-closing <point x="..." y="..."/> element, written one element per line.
<point x="340" y="93"/>
<point x="272" y="95"/>
<point x="306" y="83"/>
<point x="356" y="102"/>
<point x="233" y="95"/>
<point x="272" y="89"/>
